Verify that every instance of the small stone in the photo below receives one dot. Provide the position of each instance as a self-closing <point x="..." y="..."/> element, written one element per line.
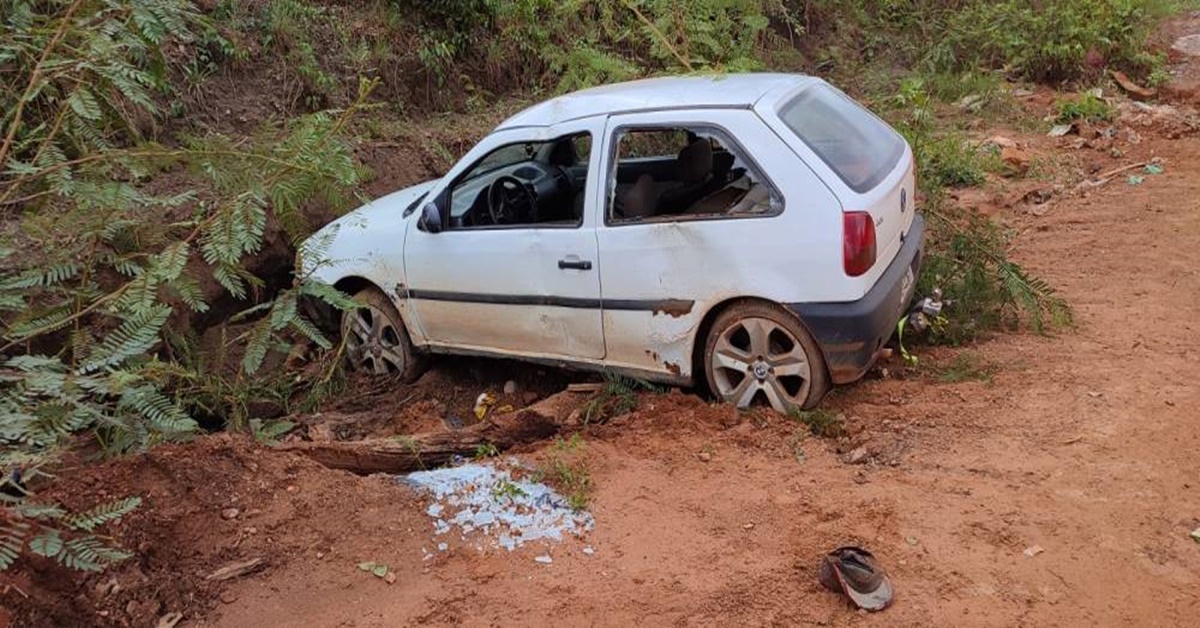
<point x="252" y="530"/>
<point x="589" y="551"/>
<point x="320" y="555"/>
<point x="911" y="540"/>
<point x="748" y="526"/>
<point x="1188" y="45"/>
<point x="544" y="559"/>
<point x="529" y="397"/>
<point x="169" y="620"/>
<point x="510" y="387"/>
<point x="1034" y="550"/>
<point x="857" y="456"/>
<point x="390" y="578"/>
<point x="443" y="547"/>
<point x="704" y="456"/>
<point x="1000" y="142"/>
<point x="230" y="513"/>
<point x="1016" y="159"/>
<point x="292" y="488"/>
<point x="228" y="597"/>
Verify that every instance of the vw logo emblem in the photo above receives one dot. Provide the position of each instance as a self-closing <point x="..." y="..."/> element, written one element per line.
<point x="903" y="200"/>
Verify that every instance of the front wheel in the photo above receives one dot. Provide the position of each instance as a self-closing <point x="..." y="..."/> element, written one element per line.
<point x="760" y="351"/>
<point x="377" y="341"/>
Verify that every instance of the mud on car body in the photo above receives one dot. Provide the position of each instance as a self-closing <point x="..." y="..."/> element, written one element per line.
<point x="752" y="233"/>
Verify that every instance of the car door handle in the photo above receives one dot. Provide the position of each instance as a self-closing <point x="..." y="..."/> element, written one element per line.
<point x="574" y="264"/>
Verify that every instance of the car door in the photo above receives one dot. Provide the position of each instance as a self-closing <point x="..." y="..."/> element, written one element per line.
<point x="530" y="290"/>
<point x="714" y="235"/>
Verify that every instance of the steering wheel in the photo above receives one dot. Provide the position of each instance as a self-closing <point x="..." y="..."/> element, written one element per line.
<point x="510" y="201"/>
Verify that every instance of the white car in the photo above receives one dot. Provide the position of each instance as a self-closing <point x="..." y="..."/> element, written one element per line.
<point x="751" y="233"/>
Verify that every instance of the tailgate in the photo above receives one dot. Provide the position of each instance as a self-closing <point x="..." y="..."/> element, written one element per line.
<point x="891" y="206"/>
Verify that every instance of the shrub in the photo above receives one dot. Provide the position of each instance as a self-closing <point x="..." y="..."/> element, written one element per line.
<point x="1048" y="40"/>
<point x="1087" y="107"/>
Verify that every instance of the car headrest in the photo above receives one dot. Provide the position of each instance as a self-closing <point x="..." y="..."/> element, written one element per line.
<point x="695" y="162"/>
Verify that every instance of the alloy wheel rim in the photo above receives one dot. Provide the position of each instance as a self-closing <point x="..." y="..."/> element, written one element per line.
<point x="372" y="341"/>
<point x="759" y="358"/>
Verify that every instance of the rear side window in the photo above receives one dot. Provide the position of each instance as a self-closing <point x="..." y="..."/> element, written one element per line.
<point x="860" y="148"/>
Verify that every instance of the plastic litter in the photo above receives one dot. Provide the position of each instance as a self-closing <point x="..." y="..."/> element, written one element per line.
<point x="489" y="507"/>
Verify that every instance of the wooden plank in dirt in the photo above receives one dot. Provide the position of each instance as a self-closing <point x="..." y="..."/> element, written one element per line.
<point x="403" y="454"/>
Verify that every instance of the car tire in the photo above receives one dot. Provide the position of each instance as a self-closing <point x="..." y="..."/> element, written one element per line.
<point x="759" y="351"/>
<point x="376" y="339"/>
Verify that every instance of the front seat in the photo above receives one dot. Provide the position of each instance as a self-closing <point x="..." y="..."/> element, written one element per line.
<point x="695" y="170"/>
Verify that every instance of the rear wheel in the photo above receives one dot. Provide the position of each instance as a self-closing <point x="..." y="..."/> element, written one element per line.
<point x="377" y="341"/>
<point x="761" y="352"/>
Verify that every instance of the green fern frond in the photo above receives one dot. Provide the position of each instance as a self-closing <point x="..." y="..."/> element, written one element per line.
<point x="134" y="337"/>
<point x="12" y="541"/>
<point x="49" y="544"/>
<point x="257" y="345"/>
<point x="169" y="264"/>
<point x="141" y="295"/>
<point x="48" y="512"/>
<point x="310" y="331"/>
<point x="165" y="417"/>
<point x="43" y="277"/>
<point x="45" y="322"/>
<point x="84" y="103"/>
<point x="188" y="290"/>
<point x="328" y="294"/>
<point x="99" y="515"/>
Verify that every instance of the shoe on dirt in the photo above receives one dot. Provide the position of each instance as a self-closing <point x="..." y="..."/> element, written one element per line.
<point x="854" y="572"/>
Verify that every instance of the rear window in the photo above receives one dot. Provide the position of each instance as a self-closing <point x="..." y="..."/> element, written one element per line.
<point x="859" y="147"/>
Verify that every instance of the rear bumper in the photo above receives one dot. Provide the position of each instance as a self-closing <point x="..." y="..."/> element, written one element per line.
<point x="852" y="334"/>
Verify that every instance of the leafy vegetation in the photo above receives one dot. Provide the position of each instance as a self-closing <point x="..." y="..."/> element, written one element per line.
<point x="86" y="317"/>
<point x="1087" y="107"/>
<point x="966" y="254"/>
<point x="53" y="532"/>
<point x="618" y="396"/>
<point x="821" y="423"/>
<point x="566" y="469"/>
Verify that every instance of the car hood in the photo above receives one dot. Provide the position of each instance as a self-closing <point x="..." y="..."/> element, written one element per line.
<point x="384" y="213"/>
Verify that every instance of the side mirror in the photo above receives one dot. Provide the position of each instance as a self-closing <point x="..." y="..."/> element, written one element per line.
<point x="431" y="218"/>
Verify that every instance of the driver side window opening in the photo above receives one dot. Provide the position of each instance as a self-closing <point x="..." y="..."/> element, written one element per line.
<point x="682" y="173"/>
<point x="524" y="184"/>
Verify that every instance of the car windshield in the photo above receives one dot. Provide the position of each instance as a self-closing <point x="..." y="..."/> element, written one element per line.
<point x="856" y="145"/>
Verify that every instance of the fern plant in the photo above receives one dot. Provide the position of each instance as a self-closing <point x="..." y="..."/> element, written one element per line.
<point x="967" y="257"/>
<point x="52" y="532"/>
<point x="107" y="263"/>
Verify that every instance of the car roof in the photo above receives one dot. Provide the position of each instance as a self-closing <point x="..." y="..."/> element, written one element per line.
<point x="676" y="92"/>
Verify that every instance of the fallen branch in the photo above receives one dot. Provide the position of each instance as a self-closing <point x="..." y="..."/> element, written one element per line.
<point x="403" y="454"/>
<point x="1107" y="176"/>
<point x="236" y="570"/>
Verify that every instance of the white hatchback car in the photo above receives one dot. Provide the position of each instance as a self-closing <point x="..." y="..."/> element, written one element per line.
<point x="753" y="233"/>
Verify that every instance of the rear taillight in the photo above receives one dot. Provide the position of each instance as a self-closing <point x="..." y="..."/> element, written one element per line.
<point x="858" y="242"/>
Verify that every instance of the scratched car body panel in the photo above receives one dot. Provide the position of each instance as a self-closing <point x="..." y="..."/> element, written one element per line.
<point x="612" y="228"/>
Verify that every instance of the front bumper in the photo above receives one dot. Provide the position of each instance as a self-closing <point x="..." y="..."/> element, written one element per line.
<point x="852" y="334"/>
